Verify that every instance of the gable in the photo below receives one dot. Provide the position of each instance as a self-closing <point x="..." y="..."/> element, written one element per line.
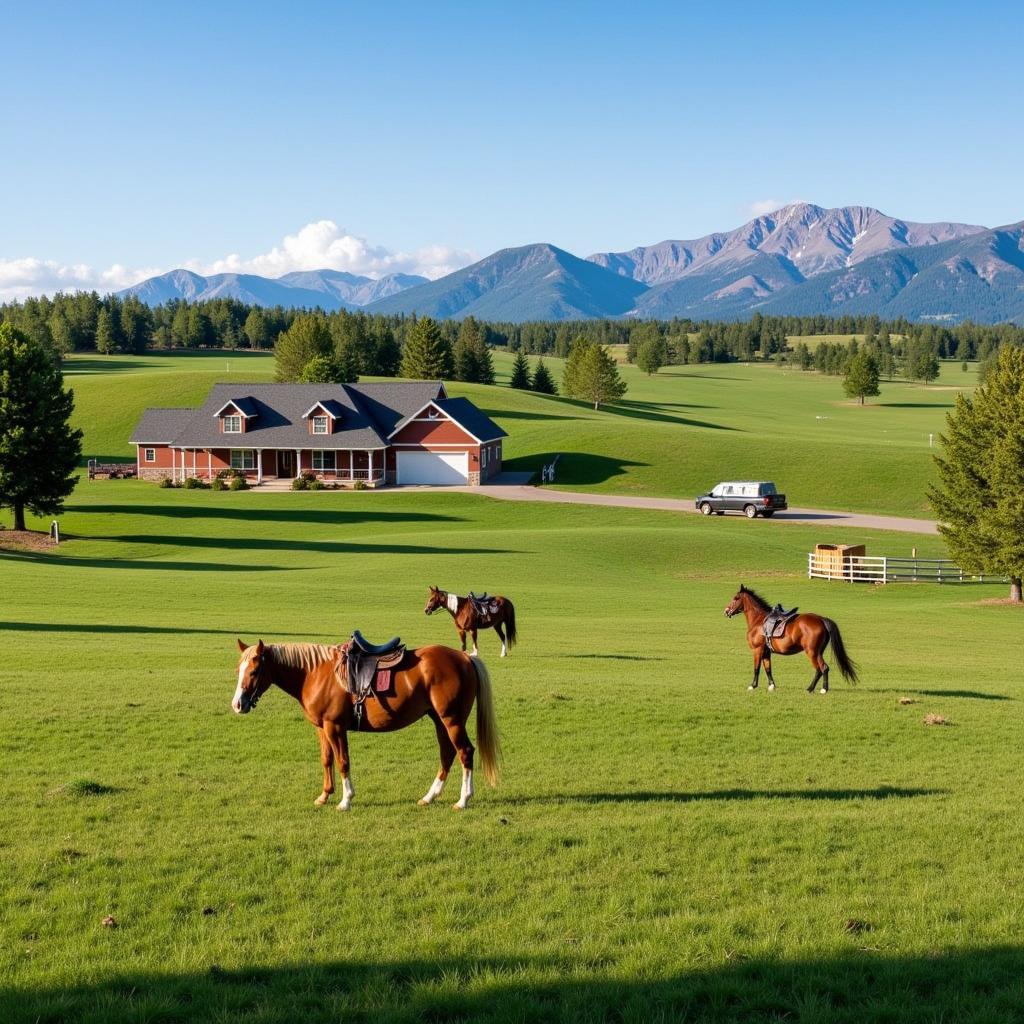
<point x="432" y="425"/>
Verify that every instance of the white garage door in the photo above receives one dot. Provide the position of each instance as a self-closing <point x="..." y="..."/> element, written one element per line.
<point x="437" y="468"/>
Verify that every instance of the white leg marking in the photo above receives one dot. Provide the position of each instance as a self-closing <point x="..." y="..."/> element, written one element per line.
<point x="504" y="650"/>
<point x="467" y="789"/>
<point x="771" y="686"/>
<point x="347" y="792"/>
<point x="434" y="792"/>
<point x="475" y="651"/>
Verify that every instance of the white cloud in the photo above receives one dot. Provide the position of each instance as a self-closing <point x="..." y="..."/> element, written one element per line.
<point x="319" y="245"/>
<point x="760" y="207"/>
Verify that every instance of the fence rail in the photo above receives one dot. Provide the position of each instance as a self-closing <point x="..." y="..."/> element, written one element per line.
<point x="887" y="569"/>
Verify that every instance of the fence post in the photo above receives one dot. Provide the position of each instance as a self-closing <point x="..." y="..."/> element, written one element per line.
<point x="885" y="569"/>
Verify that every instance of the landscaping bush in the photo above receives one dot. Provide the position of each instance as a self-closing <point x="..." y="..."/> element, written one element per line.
<point x="359" y="485"/>
<point x="223" y="474"/>
<point x="217" y="484"/>
<point x="166" y="481"/>
<point x="316" y="485"/>
<point x="300" y="483"/>
<point x="193" y="483"/>
<point x="308" y="475"/>
<point x="238" y="483"/>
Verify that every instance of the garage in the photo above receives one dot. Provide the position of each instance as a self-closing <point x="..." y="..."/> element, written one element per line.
<point x="439" y="469"/>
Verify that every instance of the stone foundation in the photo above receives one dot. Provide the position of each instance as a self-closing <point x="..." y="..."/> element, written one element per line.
<point x="153" y="473"/>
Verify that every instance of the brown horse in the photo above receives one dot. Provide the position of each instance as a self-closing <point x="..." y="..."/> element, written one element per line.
<point x="433" y="682"/>
<point x="806" y="632"/>
<point x="468" y="619"/>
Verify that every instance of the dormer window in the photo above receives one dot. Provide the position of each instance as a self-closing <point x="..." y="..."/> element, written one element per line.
<point x="232" y="424"/>
<point x="320" y="425"/>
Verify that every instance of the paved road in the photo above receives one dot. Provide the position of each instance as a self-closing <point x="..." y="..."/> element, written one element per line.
<point x="512" y="489"/>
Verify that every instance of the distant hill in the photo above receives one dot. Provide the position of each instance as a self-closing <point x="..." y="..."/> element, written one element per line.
<point x="801" y="260"/>
<point x="533" y="282"/>
<point x="328" y="289"/>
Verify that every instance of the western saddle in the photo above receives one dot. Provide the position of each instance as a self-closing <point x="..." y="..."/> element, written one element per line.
<point x="775" y="621"/>
<point x="483" y="604"/>
<point x="362" y="662"/>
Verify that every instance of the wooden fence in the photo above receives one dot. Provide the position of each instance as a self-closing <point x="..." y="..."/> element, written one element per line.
<point x="886" y="569"/>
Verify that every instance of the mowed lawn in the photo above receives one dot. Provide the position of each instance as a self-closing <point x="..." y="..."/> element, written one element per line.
<point x="664" y="845"/>
<point x="674" y="434"/>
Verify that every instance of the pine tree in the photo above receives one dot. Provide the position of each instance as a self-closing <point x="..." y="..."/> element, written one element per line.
<point x="106" y="335"/>
<point x="652" y="355"/>
<point x="256" y="329"/>
<point x="980" y="496"/>
<point x="543" y="383"/>
<point x="427" y="356"/>
<point x="520" y="373"/>
<point x="387" y="353"/>
<point x="324" y="370"/>
<point x="592" y="374"/>
<point x="307" y="338"/>
<point x="179" y="325"/>
<point x="861" y="379"/>
<point x="39" y="449"/>
<point x="465" y="353"/>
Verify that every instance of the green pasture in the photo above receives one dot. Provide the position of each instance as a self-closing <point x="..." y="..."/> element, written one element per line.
<point x="664" y="845"/>
<point x="674" y="434"/>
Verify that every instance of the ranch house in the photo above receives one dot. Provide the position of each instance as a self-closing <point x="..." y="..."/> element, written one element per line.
<point x="397" y="432"/>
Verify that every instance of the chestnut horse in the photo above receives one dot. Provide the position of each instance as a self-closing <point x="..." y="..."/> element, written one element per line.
<point x="806" y="632"/>
<point x="433" y="682"/>
<point x="469" y="620"/>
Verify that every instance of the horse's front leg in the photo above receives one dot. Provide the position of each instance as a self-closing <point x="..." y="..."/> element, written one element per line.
<point x="758" y="655"/>
<point x="327" y="760"/>
<point x="475" y="650"/>
<point x="339" y="742"/>
<point x="462" y="637"/>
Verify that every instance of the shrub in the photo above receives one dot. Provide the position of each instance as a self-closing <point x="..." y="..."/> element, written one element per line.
<point x="193" y="483"/>
<point x="217" y="484"/>
<point x="300" y="483"/>
<point x="316" y="485"/>
<point x="308" y="475"/>
<point x="223" y="474"/>
<point x="238" y="483"/>
<point x="166" y="481"/>
<point x="359" y="485"/>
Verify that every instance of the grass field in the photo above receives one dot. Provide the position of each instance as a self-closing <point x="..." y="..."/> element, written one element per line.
<point x="674" y="435"/>
<point x="664" y="844"/>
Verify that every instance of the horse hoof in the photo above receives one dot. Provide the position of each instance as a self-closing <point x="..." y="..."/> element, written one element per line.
<point x="751" y="687"/>
<point x="823" y="691"/>
<point x="423" y="802"/>
<point x="771" y="689"/>
<point x="458" y="807"/>
<point x="321" y="800"/>
<point x="344" y="807"/>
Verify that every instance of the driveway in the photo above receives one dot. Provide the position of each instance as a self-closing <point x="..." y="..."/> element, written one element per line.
<point x="511" y="487"/>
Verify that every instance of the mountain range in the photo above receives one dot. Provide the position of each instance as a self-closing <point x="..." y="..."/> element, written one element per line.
<point x="801" y="260"/>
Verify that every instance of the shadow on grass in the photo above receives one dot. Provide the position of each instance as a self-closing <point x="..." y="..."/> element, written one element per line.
<point x="641" y="796"/>
<point x="522" y="414"/>
<point x="630" y="410"/>
<point x="96" y="364"/>
<point x="119" y="629"/>
<point x="44" y="558"/>
<point x="573" y="467"/>
<point x="915" y="405"/>
<point x="326" y="516"/>
<point x="613" y="657"/>
<point x="279" y="544"/>
<point x="958" y="694"/>
<point x="969" y="986"/>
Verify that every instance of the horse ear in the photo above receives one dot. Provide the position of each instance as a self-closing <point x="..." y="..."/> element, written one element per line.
<point x="259" y="647"/>
<point x="242" y="647"/>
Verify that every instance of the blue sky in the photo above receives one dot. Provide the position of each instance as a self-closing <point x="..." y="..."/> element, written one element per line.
<point x="417" y="136"/>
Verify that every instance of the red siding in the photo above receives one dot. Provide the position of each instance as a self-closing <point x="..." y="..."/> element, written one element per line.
<point x="435" y="432"/>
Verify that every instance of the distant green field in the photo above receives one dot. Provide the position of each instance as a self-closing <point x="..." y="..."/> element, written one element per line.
<point x="664" y="844"/>
<point x="813" y="340"/>
<point x="674" y="434"/>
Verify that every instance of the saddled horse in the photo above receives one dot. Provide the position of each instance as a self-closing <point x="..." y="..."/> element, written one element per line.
<point x="433" y="682"/>
<point x="498" y="612"/>
<point x="805" y="632"/>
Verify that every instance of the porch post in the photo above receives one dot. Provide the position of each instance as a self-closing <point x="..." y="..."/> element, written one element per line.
<point x="209" y="463"/>
<point x="298" y="463"/>
<point x="259" y="465"/>
<point x="370" y="477"/>
<point x="174" y="465"/>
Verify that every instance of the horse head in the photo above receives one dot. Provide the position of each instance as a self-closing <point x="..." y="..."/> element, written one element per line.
<point x="436" y="601"/>
<point x="253" y="677"/>
<point x="736" y="604"/>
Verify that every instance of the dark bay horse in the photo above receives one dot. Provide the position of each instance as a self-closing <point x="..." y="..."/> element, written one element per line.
<point x="468" y="619"/>
<point x="433" y="682"/>
<point x="806" y="632"/>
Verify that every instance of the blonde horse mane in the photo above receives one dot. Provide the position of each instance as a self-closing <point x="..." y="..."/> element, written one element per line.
<point x="304" y="656"/>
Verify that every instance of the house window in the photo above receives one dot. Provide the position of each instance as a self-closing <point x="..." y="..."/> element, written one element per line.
<point x="323" y="461"/>
<point x="232" y="424"/>
<point x="149" y="454"/>
<point x="243" y="458"/>
<point x="485" y="458"/>
<point x="319" y="424"/>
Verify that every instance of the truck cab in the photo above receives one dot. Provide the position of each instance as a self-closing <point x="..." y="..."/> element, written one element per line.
<point x="751" y="497"/>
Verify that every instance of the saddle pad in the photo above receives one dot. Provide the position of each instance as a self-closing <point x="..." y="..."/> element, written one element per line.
<point x="383" y="683"/>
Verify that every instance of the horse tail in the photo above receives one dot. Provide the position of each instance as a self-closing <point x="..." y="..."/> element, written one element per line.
<point x="846" y="665"/>
<point x="510" y="623"/>
<point x="487" y="740"/>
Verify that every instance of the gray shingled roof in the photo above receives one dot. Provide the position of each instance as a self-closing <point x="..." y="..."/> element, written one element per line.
<point x="368" y="413"/>
<point x="161" y="426"/>
<point x="467" y="415"/>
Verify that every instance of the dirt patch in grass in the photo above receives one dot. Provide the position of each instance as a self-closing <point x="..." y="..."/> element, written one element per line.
<point x="990" y="601"/>
<point x="933" y="719"/>
<point x="25" y="540"/>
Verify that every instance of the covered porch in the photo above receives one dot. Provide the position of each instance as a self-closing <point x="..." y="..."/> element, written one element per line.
<point x="342" y="465"/>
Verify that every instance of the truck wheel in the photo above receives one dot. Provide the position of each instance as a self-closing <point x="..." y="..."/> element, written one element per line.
<point x="705" y="509"/>
<point x="750" y="512"/>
